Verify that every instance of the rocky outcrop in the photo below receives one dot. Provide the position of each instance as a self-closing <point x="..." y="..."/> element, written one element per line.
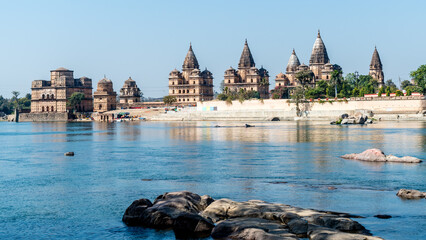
<point x="410" y="194"/>
<point x="177" y="210"/>
<point x="377" y="155"/>
<point x="194" y="216"/>
<point x="358" y="118"/>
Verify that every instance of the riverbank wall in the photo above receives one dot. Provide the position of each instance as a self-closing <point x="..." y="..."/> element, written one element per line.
<point x="404" y="108"/>
<point x="43" y="117"/>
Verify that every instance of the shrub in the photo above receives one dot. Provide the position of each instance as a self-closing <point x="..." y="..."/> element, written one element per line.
<point x="399" y="93"/>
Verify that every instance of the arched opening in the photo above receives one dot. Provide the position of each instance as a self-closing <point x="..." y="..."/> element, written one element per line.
<point x="52" y="96"/>
<point x="52" y="109"/>
<point x="47" y="109"/>
<point x="100" y="106"/>
<point x="42" y="109"/>
<point x="43" y="97"/>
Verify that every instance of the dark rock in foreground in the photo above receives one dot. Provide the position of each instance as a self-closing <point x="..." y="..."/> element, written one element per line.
<point x="70" y="154"/>
<point x="194" y="216"/>
<point x="377" y="155"/>
<point x="410" y="194"/>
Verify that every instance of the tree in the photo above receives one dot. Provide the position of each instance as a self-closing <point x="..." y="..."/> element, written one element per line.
<point x="75" y="100"/>
<point x="298" y="95"/>
<point x="169" y="100"/>
<point x="336" y="79"/>
<point x="391" y="84"/>
<point x="419" y="77"/>
<point x="399" y="93"/>
<point x="305" y="77"/>
<point x="405" y="84"/>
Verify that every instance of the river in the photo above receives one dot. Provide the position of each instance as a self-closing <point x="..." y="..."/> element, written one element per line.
<point x="45" y="195"/>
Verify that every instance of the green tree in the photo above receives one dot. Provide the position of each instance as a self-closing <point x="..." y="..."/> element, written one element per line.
<point x="419" y="77"/>
<point x="298" y="96"/>
<point x="405" y="84"/>
<point x="391" y="84"/>
<point x="399" y="93"/>
<point x="336" y="79"/>
<point x="169" y="100"/>
<point x="305" y="77"/>
<point x="75" y="100"/>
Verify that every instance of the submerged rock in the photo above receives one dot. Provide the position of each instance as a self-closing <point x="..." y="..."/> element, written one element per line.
<point x="194" y="216"/>
<point x="69" y="154"/>
<point x="377" y="155"/>
<point x="383" y="216"/>
<point x="410" y="194"/>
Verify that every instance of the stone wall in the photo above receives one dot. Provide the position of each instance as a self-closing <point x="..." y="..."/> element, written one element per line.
<point x="43" y="117"/>
<point x="257" y="110"/>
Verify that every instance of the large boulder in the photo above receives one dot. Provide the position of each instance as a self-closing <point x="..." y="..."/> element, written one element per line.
<point x="372" y="155"/>
<point x="377" y="155"/>
<point x="176" y="210"/>
<point x="410" y="194"/>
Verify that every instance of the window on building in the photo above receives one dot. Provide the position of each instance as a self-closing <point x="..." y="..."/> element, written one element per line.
<point x="251" y="80"/>
<point x="194" y="90"/>
<point x="47" y="109"/>
<point x="42" y="96"/>
<point x="52" y="97"/>
<point x="187" y="100"/>
<point x="229" y="81"/>
<point x="179" y="91"/>
<point x="100" y="106"/>
<point x="42" y="108"/>
<point x="173" y="91"/>
<point x="51" y="108"/>
<point x="327" y="77"/>
<point x="194" y="82"/>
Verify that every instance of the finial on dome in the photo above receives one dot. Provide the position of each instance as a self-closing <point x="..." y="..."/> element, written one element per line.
<point x="319" y="34"/>
<point x="294" y="52"/>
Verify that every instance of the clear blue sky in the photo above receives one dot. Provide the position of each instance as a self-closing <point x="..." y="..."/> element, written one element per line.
<point x="148" y="39"/>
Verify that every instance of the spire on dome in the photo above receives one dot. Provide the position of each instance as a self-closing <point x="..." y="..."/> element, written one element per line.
<point x="246" y="60"/>
<point x="319" y="52"/>
<point x="190" y="60"/>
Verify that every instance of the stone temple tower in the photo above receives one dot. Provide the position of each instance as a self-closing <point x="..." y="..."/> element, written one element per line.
<point x="376" y="68"/>
<point x="319" y="57"/>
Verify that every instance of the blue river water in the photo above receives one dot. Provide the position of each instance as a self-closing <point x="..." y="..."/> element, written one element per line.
<point x="45" y="195"/>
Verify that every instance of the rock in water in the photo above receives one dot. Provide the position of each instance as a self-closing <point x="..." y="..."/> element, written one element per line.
<point x="410" y="194"/>
<point x="193" y="216"/>
<point x="70" y="154"/>
<point x="176" y="210"/>
<point x="376" y="155"/>
<point x="383" y="216"/>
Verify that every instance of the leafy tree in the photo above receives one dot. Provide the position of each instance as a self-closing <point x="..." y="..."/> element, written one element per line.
<point x="336" y="79"/>
<point x="169" y="100"/>
<point x="399" y="93"/>
<point x="298" y="96"/>
<point x="413" y="89"/>
<point x="305" y="77"/>
<point x="392" y="85"/>
<point x="280" y="92"/>
<point x="405" y="84"/>
<point x="419" y="77"/>
<point x="75" y="100"/>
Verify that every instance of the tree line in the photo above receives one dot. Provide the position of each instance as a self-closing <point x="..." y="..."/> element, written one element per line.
<point x="8" y="105"/>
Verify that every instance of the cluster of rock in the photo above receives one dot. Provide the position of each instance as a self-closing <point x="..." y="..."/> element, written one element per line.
<point x="192" y="216"/>
<point x="410" y="194"/>
<point x="377" y="155"/>
<point x="356" y="119"/>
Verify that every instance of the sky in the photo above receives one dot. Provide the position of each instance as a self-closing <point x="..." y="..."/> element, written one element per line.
<point x="148" y="39"/>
